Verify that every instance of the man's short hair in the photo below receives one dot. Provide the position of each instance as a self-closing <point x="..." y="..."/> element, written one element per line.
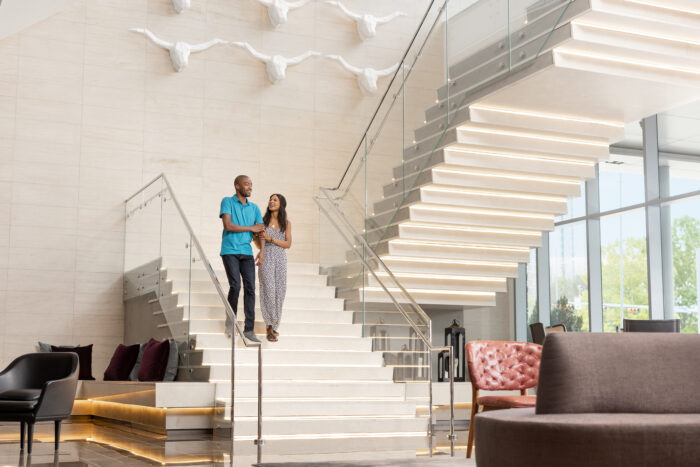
<point x="239" y="179"/>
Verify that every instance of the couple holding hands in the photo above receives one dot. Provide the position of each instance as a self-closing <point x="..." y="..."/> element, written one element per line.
<point x="272" y="234"/>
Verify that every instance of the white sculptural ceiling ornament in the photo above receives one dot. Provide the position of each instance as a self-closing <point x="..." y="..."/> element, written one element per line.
<point x="366" y="77"/>
<point x="277" y="9"/>
<point x="179" y="51"/>
<point x="366" y="23"/>
<point x="181" y="5"/>
<point x="276" y="65"/>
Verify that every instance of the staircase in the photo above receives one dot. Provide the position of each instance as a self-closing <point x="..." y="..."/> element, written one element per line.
<point x="500" y="152"/>
<point x="324" y="390"/>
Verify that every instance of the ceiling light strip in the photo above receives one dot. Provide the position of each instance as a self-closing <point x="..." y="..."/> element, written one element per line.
<point x="522" y="134"/>
<point x="509" y="176"/>
<point x="529" y="233"/>
<point x="528" y="113"/>
<point x="665" y="6"/>
<point x="514" y="155"/>
<point x="467" y="246"/>
<point x="639" y="63"/>
<point x="496" y="194"/>
<point x="634" y="32"/>
<point x="449" y="261"/>
<point x="483" y="212"/>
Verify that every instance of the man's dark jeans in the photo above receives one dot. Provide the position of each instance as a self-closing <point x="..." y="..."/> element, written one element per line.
<point x="238" y="266"/>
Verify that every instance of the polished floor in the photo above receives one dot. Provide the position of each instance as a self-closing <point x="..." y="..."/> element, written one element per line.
<point x="95" y="445"/>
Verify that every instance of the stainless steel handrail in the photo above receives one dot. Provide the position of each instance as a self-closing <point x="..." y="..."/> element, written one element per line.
<point x="400" y="68"/>
<point x="426" y="340"/>
<point x="229" y="312"/>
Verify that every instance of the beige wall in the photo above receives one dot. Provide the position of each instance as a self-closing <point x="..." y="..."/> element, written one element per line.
<point x="90" y="111"/>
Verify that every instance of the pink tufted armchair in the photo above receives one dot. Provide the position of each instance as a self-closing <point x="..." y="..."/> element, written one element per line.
<point x="501" y="366"/>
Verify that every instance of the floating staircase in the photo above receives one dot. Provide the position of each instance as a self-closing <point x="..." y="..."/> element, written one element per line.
<point x="517" y="129"/>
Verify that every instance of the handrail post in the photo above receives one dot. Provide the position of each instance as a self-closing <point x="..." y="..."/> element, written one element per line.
<point x="452" y="402"/>
<point x="233" y="389"/>
<point x="259" y="442"/>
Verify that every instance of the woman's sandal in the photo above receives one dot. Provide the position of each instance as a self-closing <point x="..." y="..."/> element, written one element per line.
<point x="271" y="337"/>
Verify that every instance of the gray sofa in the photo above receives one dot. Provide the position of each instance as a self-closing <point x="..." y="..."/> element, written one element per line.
<point x="630" y="399"/>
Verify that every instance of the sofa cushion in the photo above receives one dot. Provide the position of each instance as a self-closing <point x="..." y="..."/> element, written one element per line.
<point x="21" y="395"/>
<point x="619" y="373"/>
<point x="44" y="347"/>
<point x="84" y="358"/>
<point x="507" y="402"/>
<point x="122" y="362"/>
<point x="134" y="375"/>
<point x="173" y="361"/>
<point x="155" y="360"/>
<point x="519" y="437"/>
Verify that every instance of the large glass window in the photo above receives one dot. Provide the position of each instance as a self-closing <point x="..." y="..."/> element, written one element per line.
<point x="624" y="268"/>
<point x="575" y="207"/>
<point x="568" y="265"/>
<point x="685" y="243"/>
<point x="621" y="182"/>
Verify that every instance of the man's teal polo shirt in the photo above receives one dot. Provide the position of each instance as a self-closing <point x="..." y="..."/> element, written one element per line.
<point x="247" y="215"/>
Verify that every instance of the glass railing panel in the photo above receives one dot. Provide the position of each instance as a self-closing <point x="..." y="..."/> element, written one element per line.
<point x="142" y="226"/>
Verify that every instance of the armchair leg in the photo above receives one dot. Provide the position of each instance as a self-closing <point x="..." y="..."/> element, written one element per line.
<point x="22" y="432"/>
<point x="30" y="436"/>
<point x="57" y="433"/>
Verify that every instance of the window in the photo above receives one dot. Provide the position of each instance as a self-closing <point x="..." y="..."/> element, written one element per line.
<point x="531" y="291"/>
<point x="623" y="258"/>
<point x="621" y="182"/>
<point x="685" y="240"/>
<point x="575" y="207"/>
<point x="569" y="276"/>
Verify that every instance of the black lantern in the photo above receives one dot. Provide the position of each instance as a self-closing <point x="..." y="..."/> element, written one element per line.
<point x="443" y="366"/>
<point x="455" y="336"/>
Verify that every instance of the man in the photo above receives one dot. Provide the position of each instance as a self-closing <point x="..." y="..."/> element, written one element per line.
<point x="241" y="219"/>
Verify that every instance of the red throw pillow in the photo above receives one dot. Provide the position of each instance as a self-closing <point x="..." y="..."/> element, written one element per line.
<point x="122" y="362"/>
<point x="154" y="361"/>
<point x="84" y="359"/>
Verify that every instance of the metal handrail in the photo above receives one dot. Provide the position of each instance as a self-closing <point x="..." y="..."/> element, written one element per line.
<point x="426" y="340"/>
<point x="400" y="68"/>
<point x="229" y="312"/>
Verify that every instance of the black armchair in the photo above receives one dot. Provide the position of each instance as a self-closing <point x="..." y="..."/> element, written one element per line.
<point x="38" y="387"/>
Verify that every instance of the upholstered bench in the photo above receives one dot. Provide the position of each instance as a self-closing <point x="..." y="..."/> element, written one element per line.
<point x="603" y="400"/>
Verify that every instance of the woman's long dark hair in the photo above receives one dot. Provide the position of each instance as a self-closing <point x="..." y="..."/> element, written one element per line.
<point x="281" y="214"/>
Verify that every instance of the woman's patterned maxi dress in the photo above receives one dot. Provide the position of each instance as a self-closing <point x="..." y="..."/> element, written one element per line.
<point x="273" y="280"/>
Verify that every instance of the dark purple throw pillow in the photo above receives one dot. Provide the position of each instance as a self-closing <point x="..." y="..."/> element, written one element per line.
<point x="154" y="361"/>
<point x="84" y="358"/>
<point x="122" y="362"/>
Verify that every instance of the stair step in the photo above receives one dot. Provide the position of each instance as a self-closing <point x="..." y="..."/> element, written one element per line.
<point x="289" y="356"/>
<point x="214" y="299"/>
<point x="300" y="290"/>
<point x="248" y="407"/>
<point x="222" y="372"/>
<point x="220" y="341"/>
<point x="448" y="250"/>
<point x="314" y="389"/>
<point x="339" y="424"/>
<point x="289" y="315"/>
<point x="286" y="328"/>
<point x="452" y="215"/>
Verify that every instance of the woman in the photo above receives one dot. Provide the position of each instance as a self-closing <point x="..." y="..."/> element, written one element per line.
<point x="272" y="260"/>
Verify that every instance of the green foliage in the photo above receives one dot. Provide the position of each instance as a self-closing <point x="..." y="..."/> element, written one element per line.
<point x="565" y="313"/>
<point x="686" y="239"/>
